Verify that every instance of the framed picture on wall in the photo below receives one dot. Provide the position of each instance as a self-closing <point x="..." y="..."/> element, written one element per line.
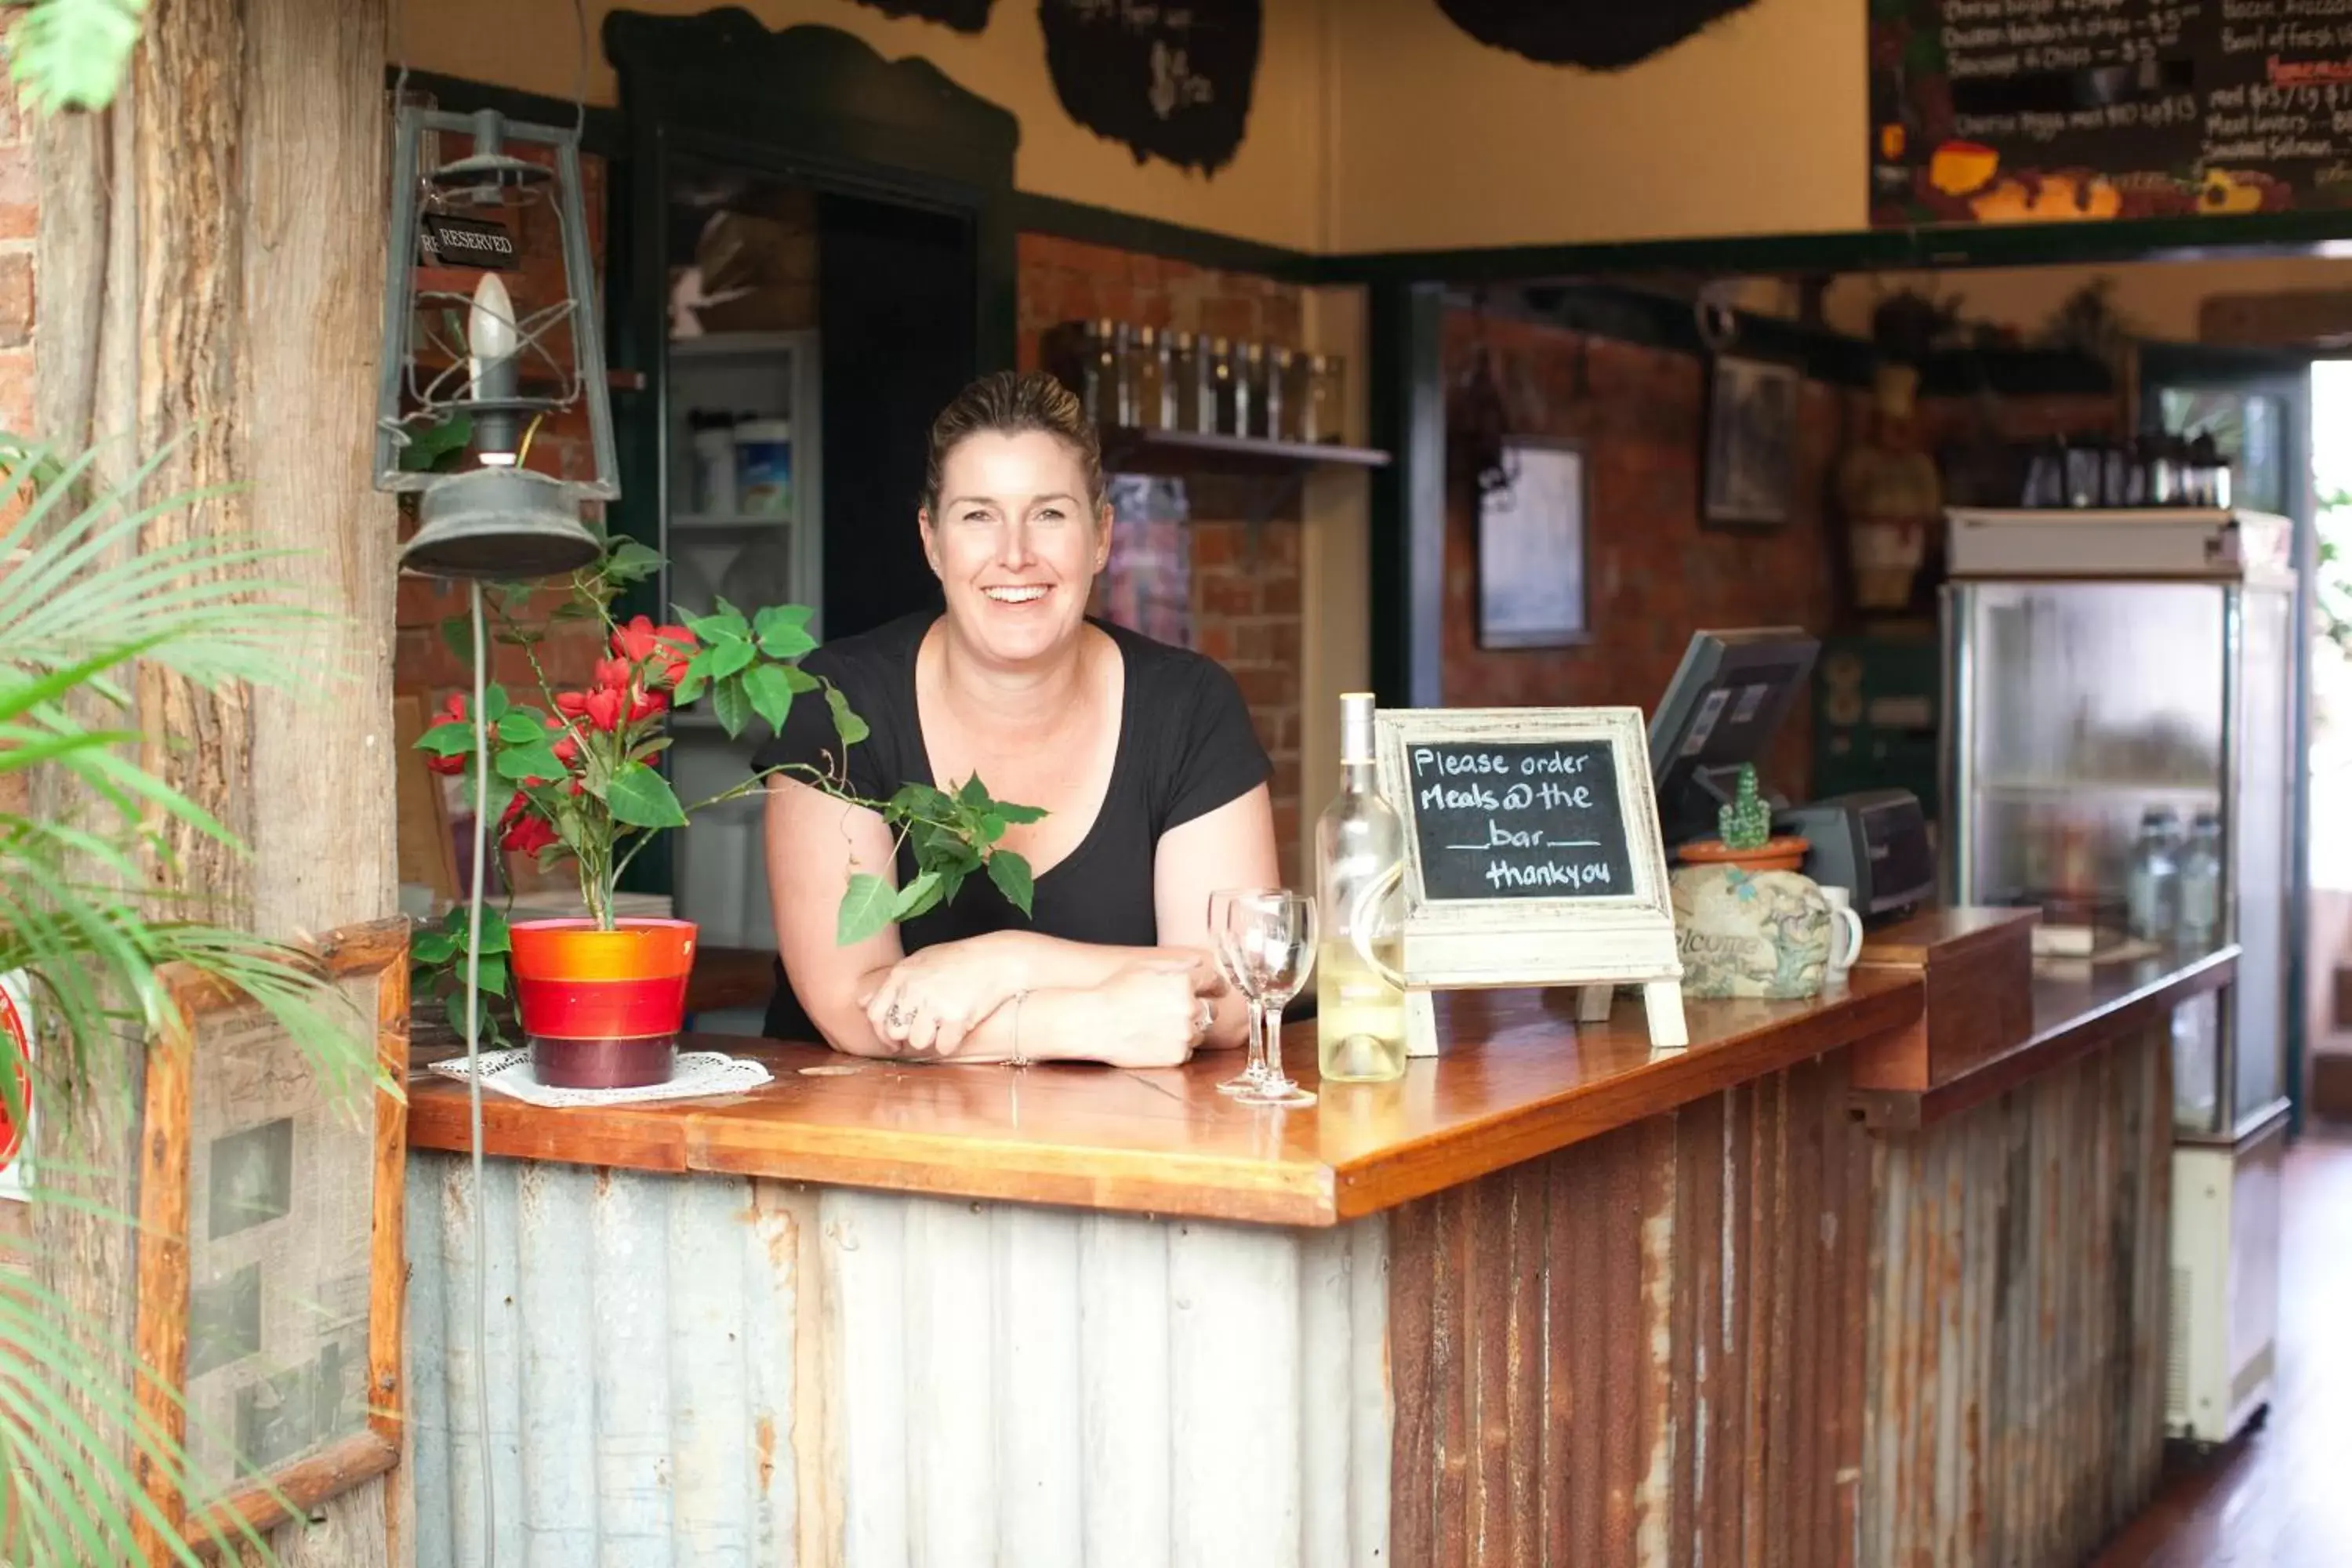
<point x="1531" y="547"/>
<point x="1750" y="472"/>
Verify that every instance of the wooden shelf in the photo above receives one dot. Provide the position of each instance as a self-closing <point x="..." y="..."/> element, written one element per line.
<point x="1130" y="450"/>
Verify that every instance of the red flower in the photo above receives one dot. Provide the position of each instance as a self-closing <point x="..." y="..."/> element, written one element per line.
<point x="645" y="704"/>
<point x="566" y="745"/>
<point x="600" y="707"/>
<point x="641" y="642"/>
<point x="453" y="711"/>
<point x="529" y="835"/>
<point x="618" y="674"/>
<point x="523" y="829"/>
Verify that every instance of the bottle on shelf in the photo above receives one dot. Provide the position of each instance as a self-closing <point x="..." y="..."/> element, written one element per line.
<point x="2201" y="882"/>
<point x="1359" y="866"/>
<point x="2152" y="885"/>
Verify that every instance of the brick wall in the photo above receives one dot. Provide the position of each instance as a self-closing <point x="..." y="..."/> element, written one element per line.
<point x="1244" y="583"/>
<point x="1653" y="574"/>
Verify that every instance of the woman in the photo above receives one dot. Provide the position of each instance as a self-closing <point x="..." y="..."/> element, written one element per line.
<point x="1153" y="785"/>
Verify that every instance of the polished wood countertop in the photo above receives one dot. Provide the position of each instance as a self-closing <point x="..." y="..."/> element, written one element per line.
<point x="1520" y="1078"/>
<point x="2077" y="1008"/>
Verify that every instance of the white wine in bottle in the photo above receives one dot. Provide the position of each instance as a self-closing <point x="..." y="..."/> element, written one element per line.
<point x="1359" y="854"/>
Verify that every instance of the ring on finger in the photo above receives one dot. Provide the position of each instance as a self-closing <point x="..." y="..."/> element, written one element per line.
<point x="899" y="1017"/>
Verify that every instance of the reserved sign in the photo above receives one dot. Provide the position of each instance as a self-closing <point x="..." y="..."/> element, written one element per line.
<point x="1532" y="856"/>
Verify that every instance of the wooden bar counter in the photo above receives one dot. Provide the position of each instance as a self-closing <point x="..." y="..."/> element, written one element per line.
<point x="1552" y="1298"/>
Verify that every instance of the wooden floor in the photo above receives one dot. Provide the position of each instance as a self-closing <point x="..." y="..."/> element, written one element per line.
<point x="2280" y="1497"/>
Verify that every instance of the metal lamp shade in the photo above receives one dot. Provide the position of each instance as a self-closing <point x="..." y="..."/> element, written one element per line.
<point x="509" y="524"/>
<point x="496" y="519"/>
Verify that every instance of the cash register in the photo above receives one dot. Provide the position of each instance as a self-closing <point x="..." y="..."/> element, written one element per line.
<point x="1723" y="708"/>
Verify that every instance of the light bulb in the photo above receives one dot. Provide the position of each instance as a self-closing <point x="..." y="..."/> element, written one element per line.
<point x="490" y="332"/>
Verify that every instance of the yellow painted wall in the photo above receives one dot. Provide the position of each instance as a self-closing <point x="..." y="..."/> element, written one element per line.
<point x="1757" y="125"/>
<point x="1271" y="192"/>
<point x="2160" y="298"/>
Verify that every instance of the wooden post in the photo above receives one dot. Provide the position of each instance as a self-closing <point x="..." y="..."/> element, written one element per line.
<point x="210" y="261"/>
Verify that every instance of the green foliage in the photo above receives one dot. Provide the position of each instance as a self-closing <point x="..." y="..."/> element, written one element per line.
<point x="1746" y="821"/>
<point x="585" y="764"/>
<point x="80" y="602"/>
<point x="72" y="53"/>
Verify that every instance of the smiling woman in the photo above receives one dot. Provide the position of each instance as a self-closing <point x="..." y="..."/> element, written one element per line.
<point x="1152" y="784"/>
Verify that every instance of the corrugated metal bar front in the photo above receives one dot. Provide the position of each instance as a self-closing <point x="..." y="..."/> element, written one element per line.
<point x="706" y="1372"/>
<point x="2018" y="1316"/>
<point x="1645" y="1349"/>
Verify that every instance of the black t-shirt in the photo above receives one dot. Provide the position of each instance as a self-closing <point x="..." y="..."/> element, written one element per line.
<point x="1185" y="748"/>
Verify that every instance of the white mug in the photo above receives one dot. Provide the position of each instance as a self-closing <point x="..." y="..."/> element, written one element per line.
<point x="1843" y="915"/>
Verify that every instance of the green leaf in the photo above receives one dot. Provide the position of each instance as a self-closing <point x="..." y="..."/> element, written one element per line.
<point x="916" y="897"/>
<point x="800" y="681"/>
<point x="771" y="693"/>
<point x="494" y="935"/>
<point x="733" y="708"/>
<point x="521" y="727"/>
<point x="72" y="53"/>
<point x="433" y="947"/>
<point x="846" y="724"/>
<point x="491" y="974"/>
<point x="446" y="740"/>
<point x="1019" y="816"/>
<point x="458" y="635"/>
<point x="536" y="760"/>
<point x="864" y="910"/>
<point x="643" y="798"/>
<point x="730" y="658"/>
<point x="1010" y="872"/>
<point x="632" y="561"/>
<point x="494" y="703"/>
<point x="689" y="686"/>
<point x="723" y="628"/>
<point x="974" y="794"/>
<point x="783" y="631"/>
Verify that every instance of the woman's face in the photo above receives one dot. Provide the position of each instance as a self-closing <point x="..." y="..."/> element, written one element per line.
<point x="1013" y="543"/>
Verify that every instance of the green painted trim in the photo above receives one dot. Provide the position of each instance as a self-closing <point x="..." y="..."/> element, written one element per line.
<point x="1033" y="213"/>
<point x="1406" y="327"/>
<point x="1663" y="322"/>
<point x="603" y="132"/>
<point x="1862" y="250"/>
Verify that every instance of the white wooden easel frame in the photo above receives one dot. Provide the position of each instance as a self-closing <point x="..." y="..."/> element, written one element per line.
<point x="1593" y="944"/>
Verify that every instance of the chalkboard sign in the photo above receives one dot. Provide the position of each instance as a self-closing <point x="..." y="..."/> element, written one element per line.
<point x="963" y="15"/>
<point x="1532" y="856"/>
<point x="1518" y="820"/>
<point x="1170" y="79"/>
<point x="1606" y="37"/>
<point x="2030" y="110"/>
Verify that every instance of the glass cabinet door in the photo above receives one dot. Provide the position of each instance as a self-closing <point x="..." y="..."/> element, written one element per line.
<point x="2082" y="704"/>
<point x="2260" y="844"/>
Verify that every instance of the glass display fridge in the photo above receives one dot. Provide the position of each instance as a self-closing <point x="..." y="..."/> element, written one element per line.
<point x="2109" y="674"/>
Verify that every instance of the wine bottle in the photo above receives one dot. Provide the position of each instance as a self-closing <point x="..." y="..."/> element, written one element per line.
<point x="1358" y="856"/>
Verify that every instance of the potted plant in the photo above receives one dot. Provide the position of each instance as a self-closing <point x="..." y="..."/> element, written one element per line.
<point x="601" y="999"/>
<point x="1746" y="841"/>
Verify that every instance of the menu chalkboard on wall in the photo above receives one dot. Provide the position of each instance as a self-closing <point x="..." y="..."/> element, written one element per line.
<point x="1518" y="820"/>
<point x="1170" y="79"/>
<point x="2069" y="111"/>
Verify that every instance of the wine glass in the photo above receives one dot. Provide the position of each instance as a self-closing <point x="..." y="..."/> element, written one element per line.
<point x="1220" y="942"/>
<point x="1273" y="952"/>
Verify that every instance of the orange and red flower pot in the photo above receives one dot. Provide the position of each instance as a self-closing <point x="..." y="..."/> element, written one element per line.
<point x="601" y="1009"/>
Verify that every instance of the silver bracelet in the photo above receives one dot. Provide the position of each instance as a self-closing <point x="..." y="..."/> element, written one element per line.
<point x="1018" y="1059"/>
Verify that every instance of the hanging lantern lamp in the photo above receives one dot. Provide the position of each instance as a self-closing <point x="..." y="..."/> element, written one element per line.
<point x="473" y="362"/>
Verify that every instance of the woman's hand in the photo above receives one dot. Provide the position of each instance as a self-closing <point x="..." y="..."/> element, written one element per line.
<point x="930" y="1000"/>
<point x="1152" y="1015"/>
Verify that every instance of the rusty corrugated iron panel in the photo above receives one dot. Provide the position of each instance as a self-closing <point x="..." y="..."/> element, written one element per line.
<point x="1668" y="1318"/>
<point x="2017" y="1320"/>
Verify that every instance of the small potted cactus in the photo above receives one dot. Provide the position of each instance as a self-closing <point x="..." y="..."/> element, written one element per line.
<point x="1746" y="841"/>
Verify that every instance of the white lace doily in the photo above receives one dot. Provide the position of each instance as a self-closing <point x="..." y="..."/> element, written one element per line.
<point x="698" y="1073"/>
